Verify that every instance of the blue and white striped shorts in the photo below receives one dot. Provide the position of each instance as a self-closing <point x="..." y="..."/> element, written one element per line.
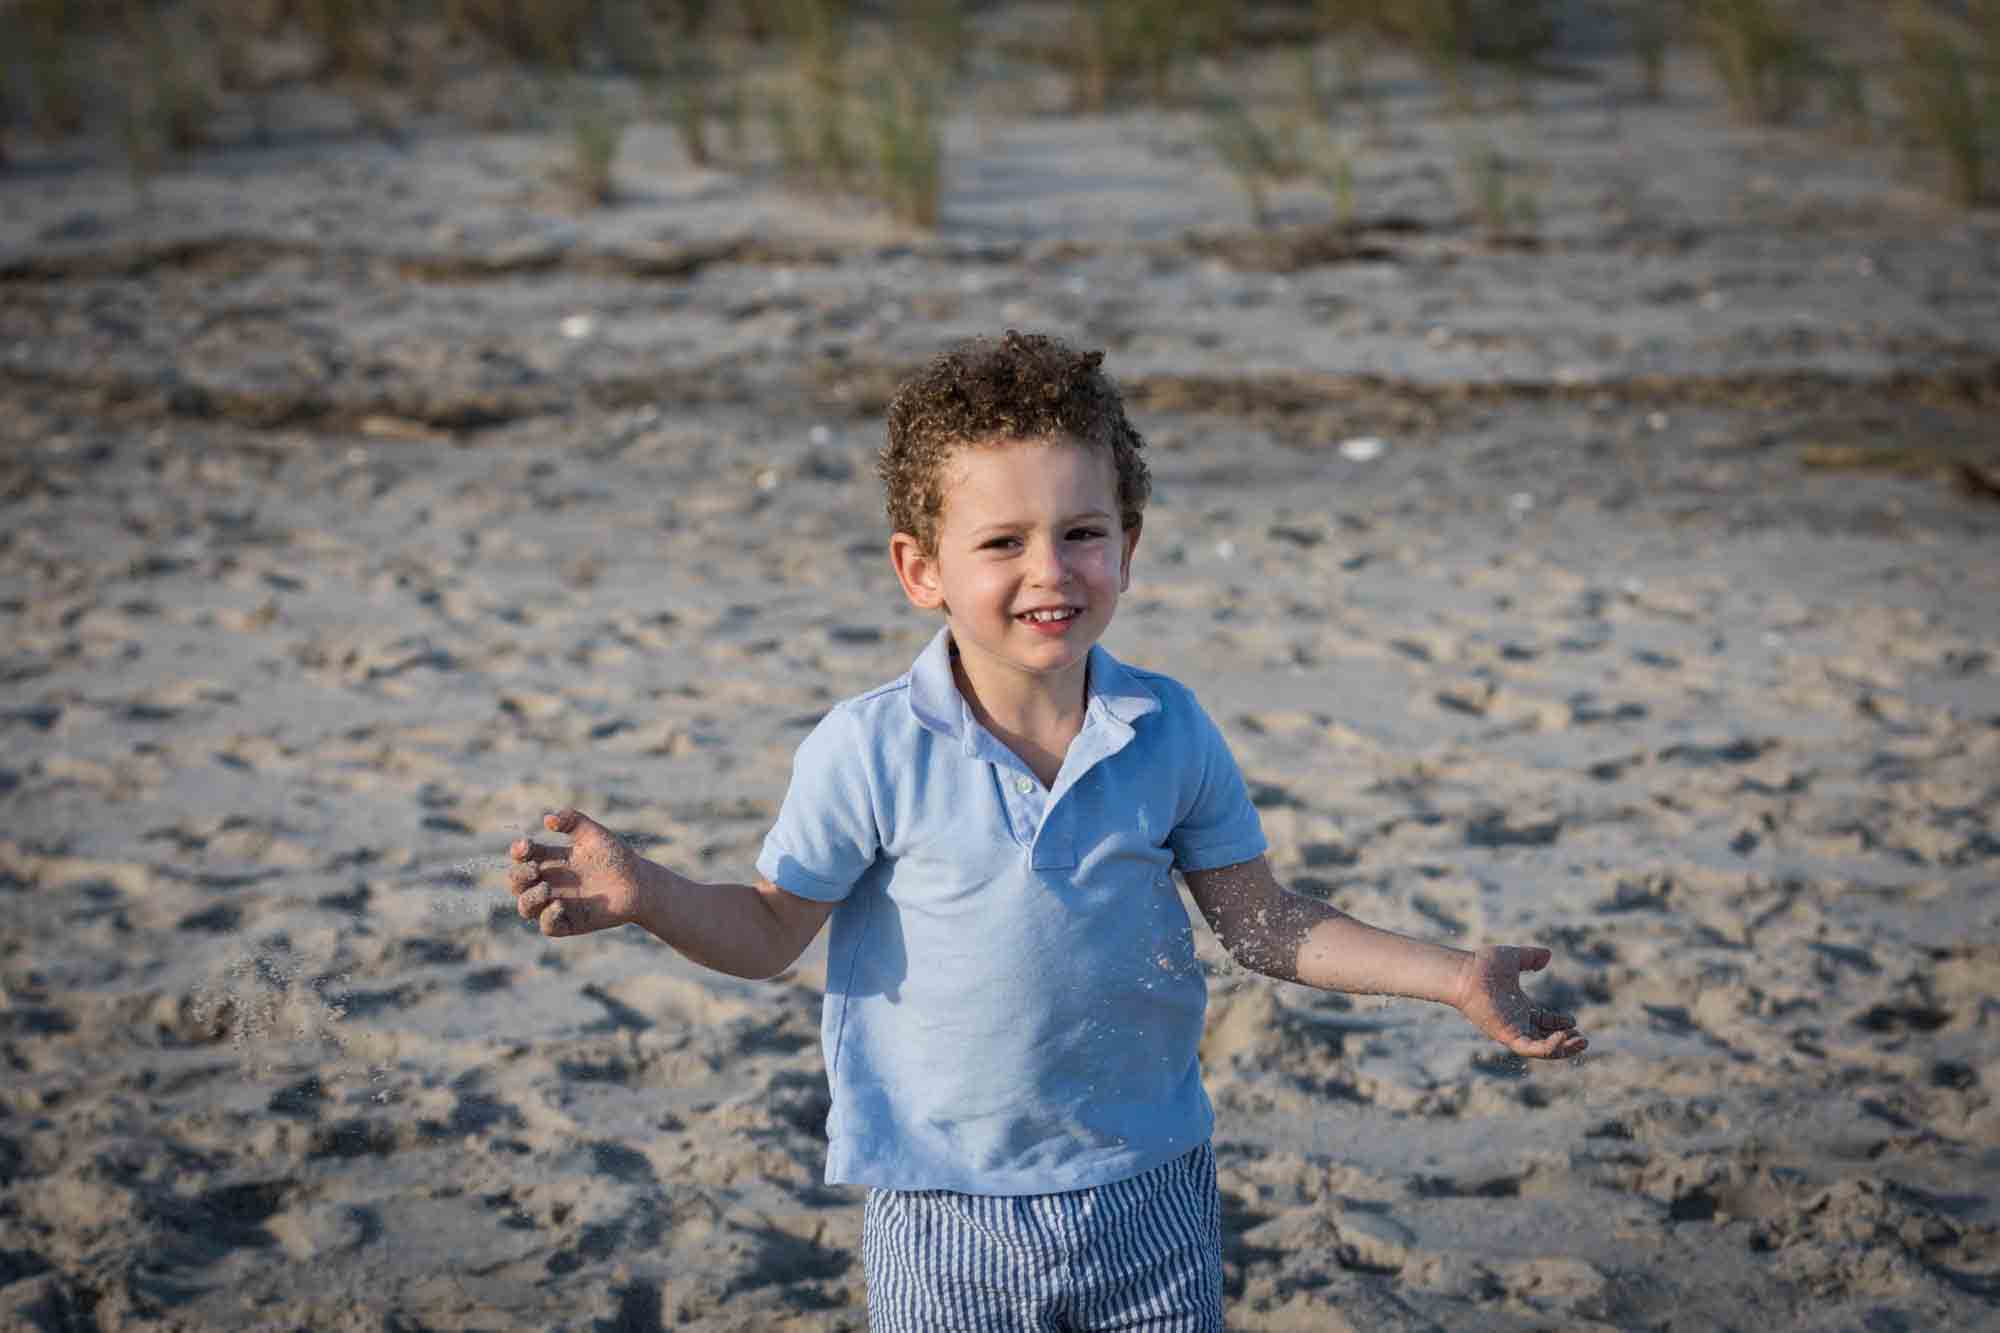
<point x="1144" y="1253"/>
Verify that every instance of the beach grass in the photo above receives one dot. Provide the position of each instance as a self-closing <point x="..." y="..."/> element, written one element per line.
<point x="1254" y="155"/>
<point x="596" y="132"/>
<point x="940" y="29"/>
<point x="1650" y="25"/>
<point x="342" y="30"/>
<point x="841" y="118"/>
<point x="1763" y="51"/>
<point x="817" y="31"/>
<point x="1948" y="113"/>
<point x="909" y="148"/>
<point x="1847" y="98"/>
<point x="227" y="34"/>
<point x="635" y="41"/>
<point x="1355" y="48"/>
<point x="1436" y="30"/>
<point x="1315" y="103"/>
<point x="730" y="107"/>
<point x="1335" y="171"/>
<point x="1120" y="48"/>
<point x="183" y="99"/>
<point x="788" y="138"/>
<point x="1452" y="36"/>
<point x="689" y="83"/>
<point x="544" y="32"/>
<point x="1499" y="192"/>
<point x="867" y="124"/>
<point x="141" y="142"/>
<point x="1260" y="153"/>
<point x="169" y="102"/>
<point x="55" y="101"/>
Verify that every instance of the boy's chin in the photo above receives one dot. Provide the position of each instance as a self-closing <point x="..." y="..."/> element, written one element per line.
<point x="1055" y="654"/>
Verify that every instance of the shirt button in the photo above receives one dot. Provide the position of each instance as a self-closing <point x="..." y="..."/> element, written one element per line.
<point x="1024" y="785"/>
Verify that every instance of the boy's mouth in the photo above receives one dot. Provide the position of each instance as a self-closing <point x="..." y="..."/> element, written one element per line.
<point x="1051" y="615"/>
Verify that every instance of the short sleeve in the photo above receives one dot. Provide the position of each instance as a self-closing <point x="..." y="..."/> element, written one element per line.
<point x="1221" y="826"/>
<point x="825" y="835"/>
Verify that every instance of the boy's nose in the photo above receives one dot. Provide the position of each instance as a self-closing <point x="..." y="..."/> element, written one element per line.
<point x="1050" y="566"/>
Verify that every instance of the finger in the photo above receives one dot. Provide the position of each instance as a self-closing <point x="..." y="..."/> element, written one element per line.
<point x="555" y="921"/>
<point x="1532" y="958"/>
<point x="526" y="850"/>
<point x="1542" y="1021"/>
<point x="531" y="903"/>
<point x="1533" y="1030"/>
<point x="578" y="825"/>
<point x="1562" y="1045"/>
<point x="521" y="878"/>
<point x="1550" y="1047"/>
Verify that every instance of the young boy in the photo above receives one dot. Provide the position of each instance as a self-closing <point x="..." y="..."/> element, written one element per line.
<point x="1012" y="1002"/>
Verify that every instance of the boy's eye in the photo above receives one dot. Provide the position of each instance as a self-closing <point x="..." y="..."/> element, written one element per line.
<point x="1088" y="533"/>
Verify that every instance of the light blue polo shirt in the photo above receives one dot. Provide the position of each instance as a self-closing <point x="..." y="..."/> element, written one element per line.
<point x="1013" y="1004"/>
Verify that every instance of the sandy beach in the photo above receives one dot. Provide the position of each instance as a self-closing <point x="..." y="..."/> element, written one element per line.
<point x="1626" y="582"/>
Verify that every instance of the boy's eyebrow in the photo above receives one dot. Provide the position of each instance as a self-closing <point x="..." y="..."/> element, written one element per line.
<point x="1015" y="525"/>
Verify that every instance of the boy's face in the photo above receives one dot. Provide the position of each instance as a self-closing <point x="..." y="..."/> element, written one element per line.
<point x="1030" y="555"/>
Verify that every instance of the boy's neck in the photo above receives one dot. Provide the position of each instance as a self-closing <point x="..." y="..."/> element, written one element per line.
<point x="1035" y="716"/>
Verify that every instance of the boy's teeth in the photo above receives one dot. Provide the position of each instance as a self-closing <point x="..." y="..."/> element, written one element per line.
<point x="1048" y="615"/>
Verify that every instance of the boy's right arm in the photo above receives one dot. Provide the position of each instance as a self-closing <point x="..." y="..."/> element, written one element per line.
<point x="597" y="881"/>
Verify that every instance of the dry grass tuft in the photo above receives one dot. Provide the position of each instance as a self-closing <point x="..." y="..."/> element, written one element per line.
<point x="866" y="125"/>
<point x="689" y="86"/>
<point x="1119" y="47"/>
<point x="1938" y="84"/>
<point x="545" y="32"/>
<point x="1450" y="36"/>
<point x="596" y="131"/>
<point x="1261" y="154"/>
<point x="939" y="30"/>
<point x="1764" y="53"/>
<point x="1650" y="24"/>
<point x="1504" y="195"/>
<point x="55" y="101"/>
<point x="909" y="149"/>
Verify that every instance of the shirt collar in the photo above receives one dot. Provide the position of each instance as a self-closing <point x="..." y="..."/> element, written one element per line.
<point x="1116" y="692"/>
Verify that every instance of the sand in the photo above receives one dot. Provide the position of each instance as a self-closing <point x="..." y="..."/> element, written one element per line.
<point x="365" y="500"/>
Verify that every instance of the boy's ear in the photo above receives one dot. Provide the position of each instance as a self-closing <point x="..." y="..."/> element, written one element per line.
<point x="916" y="571"/>
<point x="1125" y="563"/>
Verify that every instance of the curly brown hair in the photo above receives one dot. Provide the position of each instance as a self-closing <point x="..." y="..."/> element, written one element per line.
<point x="1021" y="386"/>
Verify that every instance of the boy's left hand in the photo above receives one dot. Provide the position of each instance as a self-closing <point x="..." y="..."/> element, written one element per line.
<point x="1491" y="999"/>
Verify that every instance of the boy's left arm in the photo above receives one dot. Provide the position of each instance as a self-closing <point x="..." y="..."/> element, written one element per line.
<point x="1285" y="935"/>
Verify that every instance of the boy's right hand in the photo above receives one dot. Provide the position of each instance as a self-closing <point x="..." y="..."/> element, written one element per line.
<point x="1490" y="997"/>
<point x="591" y="884"/>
